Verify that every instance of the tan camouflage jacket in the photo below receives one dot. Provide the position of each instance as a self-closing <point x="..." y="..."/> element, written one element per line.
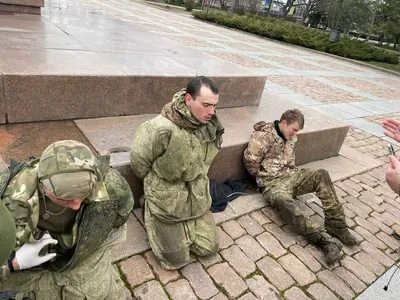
<point x="267" y="155"/>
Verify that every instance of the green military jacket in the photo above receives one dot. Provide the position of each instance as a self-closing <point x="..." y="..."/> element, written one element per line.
<point x="102" y="211"/>
<point x="173" y="164"/>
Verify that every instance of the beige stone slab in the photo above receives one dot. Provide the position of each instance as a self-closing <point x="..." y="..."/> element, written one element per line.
<point x="19" y="9"/>
<point x="213" y="66"/>
<point x="3" y="164"/>
<point x="3" y="109"/>
<point x="148" y="94"/>
<point x="28" y="23"/>
<point x="38" y="3"/>
<point x="34" y="40"/>
<point x="149" y="65"/>
<point x="348" y="163"/>
<point x="55" y="62"/>
<point x="74" y="97"/>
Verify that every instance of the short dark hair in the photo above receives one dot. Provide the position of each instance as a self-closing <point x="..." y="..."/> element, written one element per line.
<point x="195" y="84"/>
<point x="293" y="115"/>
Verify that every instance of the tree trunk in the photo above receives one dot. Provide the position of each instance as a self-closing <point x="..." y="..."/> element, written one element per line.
<point x="396" y="41"/>
<point x="306" y="12"/>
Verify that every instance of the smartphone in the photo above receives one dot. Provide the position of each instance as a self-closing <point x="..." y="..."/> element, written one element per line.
<point x="390" y="149"/>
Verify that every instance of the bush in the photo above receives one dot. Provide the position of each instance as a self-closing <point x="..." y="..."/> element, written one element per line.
<point x="189" y="5"/>
<point x="300" y="35"/>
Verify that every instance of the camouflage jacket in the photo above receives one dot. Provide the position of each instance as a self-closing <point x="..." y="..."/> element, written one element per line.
<point x="173" y="164"/>
<point x="267" y="155"/>
<point x="109" y="208"/>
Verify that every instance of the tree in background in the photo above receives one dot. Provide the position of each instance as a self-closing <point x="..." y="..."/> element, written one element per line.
<point x="388" y="22"/>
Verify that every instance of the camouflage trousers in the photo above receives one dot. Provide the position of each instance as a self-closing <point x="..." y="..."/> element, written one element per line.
<point x="95" y="279"/>
<point x="280" y="193"/>
<point x="172" y="242"/>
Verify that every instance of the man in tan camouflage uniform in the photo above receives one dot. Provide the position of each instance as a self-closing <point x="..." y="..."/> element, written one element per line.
<point x="270" y="158"/>
<point x="172" y="154"/>
<point x="76" y="206"/>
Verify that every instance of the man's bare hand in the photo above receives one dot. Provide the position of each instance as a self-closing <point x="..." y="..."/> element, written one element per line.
<point x="393" y="174"/>
<point x="393" y="129"/>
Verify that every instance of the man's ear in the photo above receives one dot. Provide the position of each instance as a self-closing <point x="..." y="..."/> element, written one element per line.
<point x="284" y="122"/>
<point x="188" y="99"/>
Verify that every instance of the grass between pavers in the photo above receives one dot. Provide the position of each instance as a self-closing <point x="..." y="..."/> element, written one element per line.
<point x="292" y="33"/>
<point x="124" y="279"/>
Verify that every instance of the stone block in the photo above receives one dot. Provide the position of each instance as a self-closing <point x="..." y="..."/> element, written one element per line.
<point x="377" y="254"/>
<point x="163" y="275"/>
<point x="3" y="110"/>
<point x="251" y="225"/>
<point x="295" y="293"/>
<point x="357" y="269"/>
<point x="262" y="289"/>
<point x="260" y="217"/>
<point x="329" y="143"/>
<point x="37" y="3"/>
<point x="136" y="241"/>
<point x="238" y="261"/>
<point x="356" y="284"/>
<point x="250" y="247"/>
<point x="239" y="91"/>
<point x="180" y="290"/>
<point x="224" y="240"/>
<point x="319" y="291"/>
<point x="20" y="9"/>
<point x="149" y="291"/>
<point x="297" y="269"/>
<point x="271" y="244"/>
<point x="136" y="270"/>
<point x="225" y="277"/>
<point x="20" y="141"/>
<point x="332" y="281"/>
<point x="306" y="258"/>
<point x="370" y="262"/>
<point x="63" y="97"/>
<point x="201" y="283"/>
<point x="275" y="273"/>
<point x="284" y="238"/>
<point x="234" y="92"/>
<point x="234" y="229"/>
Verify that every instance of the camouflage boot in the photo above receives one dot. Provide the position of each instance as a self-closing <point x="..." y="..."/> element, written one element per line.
<point x="339" y="230"/>
<point x="329" y="245"/>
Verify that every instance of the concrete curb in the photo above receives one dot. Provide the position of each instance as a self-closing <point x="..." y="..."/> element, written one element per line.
<point x="363" y="64"/>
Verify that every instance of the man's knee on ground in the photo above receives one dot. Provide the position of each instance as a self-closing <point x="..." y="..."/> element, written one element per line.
<point x="205" y="248"/>
<point x="173" y="260"/>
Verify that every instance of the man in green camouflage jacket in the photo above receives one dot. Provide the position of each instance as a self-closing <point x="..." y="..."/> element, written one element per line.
<point x="172" y="154"/>
<point x="76" y="206"/>
<point x="270" y="158"/>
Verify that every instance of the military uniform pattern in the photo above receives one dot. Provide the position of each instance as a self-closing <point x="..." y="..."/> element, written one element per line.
<point x="271" y="161"/>
<point x="173" y="161"/>
<point x="267" y="156"/>
<point x="88" y="273"/>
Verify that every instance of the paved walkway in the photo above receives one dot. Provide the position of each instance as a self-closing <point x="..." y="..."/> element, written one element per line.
<point x="261" y="257"/>
<point x="355" y="94"/>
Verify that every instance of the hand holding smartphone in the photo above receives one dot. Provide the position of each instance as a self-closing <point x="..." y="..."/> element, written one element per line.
<point x="390" y="149"/>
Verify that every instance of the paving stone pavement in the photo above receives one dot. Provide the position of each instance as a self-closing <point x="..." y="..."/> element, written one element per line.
<point x="261" y="257"/>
